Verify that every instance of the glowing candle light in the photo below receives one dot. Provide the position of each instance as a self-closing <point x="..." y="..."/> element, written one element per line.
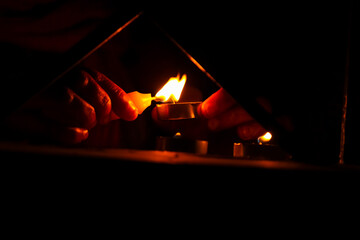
<point x="264" y="138"/>
<point x="171" y="91"/>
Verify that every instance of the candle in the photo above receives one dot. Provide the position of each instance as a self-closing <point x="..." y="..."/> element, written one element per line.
<point x="171" y="91"/>
<point x="142" y="100"/>
<point x="264" y="138"/>
<point x="177" y="111"/>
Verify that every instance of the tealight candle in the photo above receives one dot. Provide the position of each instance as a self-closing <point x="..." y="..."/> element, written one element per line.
<point x="171" y="91"/>
<point x="264" y="138"/>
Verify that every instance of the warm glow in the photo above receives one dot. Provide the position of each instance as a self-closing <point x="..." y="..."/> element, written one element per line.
<point x="171" y="91"/>
<point x="265" y="138"/>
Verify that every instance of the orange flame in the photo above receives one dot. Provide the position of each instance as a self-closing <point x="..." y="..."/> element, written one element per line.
<point x="265" y="138"/>
<point x="171" y="91"/>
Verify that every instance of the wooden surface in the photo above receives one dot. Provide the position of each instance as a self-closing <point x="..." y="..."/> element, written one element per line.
<point x="161" y="157"/>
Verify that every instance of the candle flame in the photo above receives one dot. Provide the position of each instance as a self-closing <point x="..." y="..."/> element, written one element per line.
<point x="171" y="91"/>
<point x="265" y="138"/>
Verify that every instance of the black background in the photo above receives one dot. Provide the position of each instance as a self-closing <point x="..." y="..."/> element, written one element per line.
<point x="294" y="53"/>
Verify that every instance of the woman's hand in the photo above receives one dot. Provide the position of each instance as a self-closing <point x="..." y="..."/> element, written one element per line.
<point x="217" y="113"/>
<point x="66" y="112"/>
<point x="223" y="112"/>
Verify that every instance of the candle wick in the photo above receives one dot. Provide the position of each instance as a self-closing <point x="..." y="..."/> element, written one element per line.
<point x="158" y="99"/>
<point x="172" y="98"/>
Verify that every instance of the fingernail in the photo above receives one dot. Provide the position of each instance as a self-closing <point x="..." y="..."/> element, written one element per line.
<point x="202" y="110"/>
<point x="85" y="134"/>
<point x="76" y="135"/>
<point x="213" y="124"/>
<point x="131" y="103"/>
<point x="82" y="133"/>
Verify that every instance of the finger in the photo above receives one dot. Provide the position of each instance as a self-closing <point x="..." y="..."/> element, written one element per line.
<point x="113" y="116"/>
<point x="231" y="118"/>
<point x="70" y="110"/>
<point x="86" y="87"/>
<point x="216" y="104"/>
<point x="121" y="103"/>
<point x="69" y="135"/>
<point x="250" y="130"/>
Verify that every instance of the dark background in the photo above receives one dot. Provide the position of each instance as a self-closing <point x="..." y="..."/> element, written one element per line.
<point x="294" y="53"/>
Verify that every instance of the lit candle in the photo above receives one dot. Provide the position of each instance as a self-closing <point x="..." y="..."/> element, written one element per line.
<point x="264" y="138"/>
<point x="170" y="91"/>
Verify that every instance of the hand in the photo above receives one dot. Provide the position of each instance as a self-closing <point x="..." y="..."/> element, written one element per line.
<point x="66" y="112"/>
<point x="223" y="112"/>
<point x="218" y="113"/>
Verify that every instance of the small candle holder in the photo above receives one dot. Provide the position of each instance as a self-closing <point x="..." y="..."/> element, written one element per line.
<point x="177" y="111"/>
<point x="179" y="144"/>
